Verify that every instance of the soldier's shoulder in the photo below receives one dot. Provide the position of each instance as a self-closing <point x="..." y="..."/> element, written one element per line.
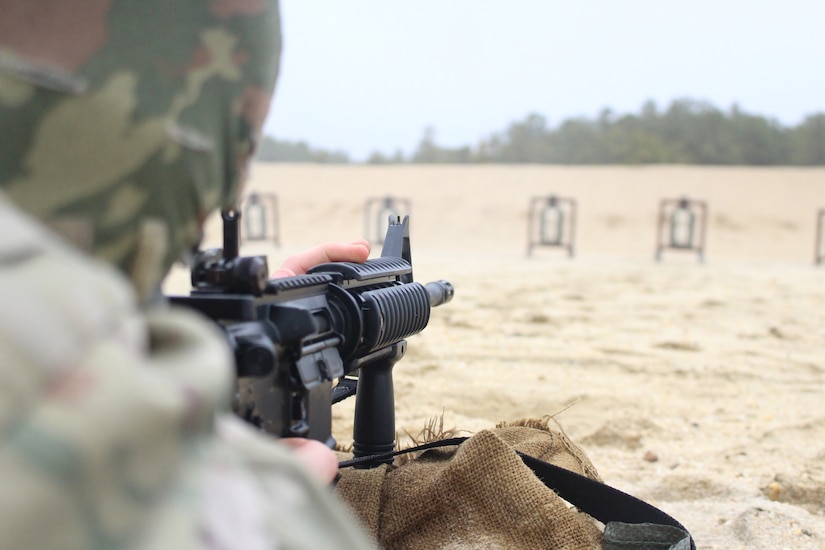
<point x="54" y="297"/>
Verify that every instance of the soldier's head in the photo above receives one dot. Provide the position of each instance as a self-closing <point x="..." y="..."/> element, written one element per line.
<point x="125" y="123"/>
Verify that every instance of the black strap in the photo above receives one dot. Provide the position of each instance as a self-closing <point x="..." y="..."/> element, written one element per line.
<point x="381" y="458"/>
<point x="346" y="387"/>
<point x="596" y="499"/>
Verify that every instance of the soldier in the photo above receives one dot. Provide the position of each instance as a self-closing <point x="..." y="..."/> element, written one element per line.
<point x="123" y="124"/>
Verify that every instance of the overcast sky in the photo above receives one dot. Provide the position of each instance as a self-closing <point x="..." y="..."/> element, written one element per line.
<point x="365" y="75"/>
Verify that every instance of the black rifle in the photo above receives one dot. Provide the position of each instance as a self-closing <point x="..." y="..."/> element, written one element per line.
<point x="294" y="337"/>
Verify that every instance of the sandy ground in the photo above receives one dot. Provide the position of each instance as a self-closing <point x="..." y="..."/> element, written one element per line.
<point x="699" y="387"/>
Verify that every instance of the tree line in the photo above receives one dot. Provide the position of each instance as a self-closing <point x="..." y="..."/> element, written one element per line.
<point x="686" y="132"/>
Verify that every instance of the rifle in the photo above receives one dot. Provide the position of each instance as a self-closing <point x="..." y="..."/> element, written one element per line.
<point x="294" y="337"/>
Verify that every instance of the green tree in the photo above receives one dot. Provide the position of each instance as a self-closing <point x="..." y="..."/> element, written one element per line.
<point x="685" y="132"/>
<point x="275" y="150"/>
<point x="808" y="141"/>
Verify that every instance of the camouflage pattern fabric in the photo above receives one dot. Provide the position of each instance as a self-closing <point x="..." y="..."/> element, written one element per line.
<point x="115" y="430"/>
<point x="124" y="123"/>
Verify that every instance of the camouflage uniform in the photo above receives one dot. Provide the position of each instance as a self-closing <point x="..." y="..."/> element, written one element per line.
<point x="122" y="125"/>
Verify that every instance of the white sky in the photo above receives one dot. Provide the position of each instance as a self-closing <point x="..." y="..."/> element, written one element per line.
<point x="365" y="75"/>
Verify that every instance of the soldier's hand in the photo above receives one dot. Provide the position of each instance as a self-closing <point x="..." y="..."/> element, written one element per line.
<point x="356" y="251"/>
<point x="316" y="456"/>
<point x="313" y="454"/>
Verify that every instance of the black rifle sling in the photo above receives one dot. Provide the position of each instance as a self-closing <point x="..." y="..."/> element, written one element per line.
<point x="600" y="501"/>
<point x="592" y="497"/>
<point x="345" y="388"/>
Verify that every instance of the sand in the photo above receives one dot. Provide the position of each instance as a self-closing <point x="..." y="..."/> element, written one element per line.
<point x="699" y="387"/>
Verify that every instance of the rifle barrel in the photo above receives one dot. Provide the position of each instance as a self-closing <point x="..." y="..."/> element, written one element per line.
<point x="440" y="292"/>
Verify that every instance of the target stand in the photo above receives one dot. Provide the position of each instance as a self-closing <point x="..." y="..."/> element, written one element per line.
<point x="551" y="222"/>
<point x="819" y="254"/>
<point x="260" y="217"/>
<point x="682" y="226"/>
<point x="378" y="211"/>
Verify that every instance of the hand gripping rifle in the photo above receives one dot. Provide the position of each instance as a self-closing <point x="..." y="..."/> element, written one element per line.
<point x="294" y="337"/>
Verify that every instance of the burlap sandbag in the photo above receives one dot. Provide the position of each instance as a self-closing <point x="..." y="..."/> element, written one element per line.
<point x="477" y="495"/>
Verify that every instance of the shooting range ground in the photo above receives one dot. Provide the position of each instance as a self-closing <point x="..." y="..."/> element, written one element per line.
<point x="699" y="387"/>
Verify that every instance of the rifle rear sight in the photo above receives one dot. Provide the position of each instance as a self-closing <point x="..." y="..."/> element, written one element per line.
<point x="294" y="337"/>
